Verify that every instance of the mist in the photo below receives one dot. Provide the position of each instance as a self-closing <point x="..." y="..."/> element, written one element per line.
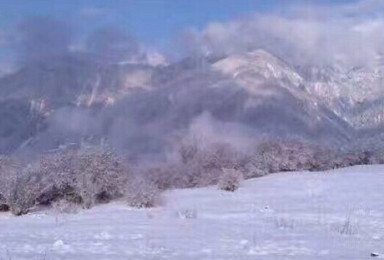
<point x="347" y="34"/>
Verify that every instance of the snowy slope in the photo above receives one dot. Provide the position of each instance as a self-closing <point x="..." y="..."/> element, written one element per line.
<point x="331" y="215"/>
<point x="355" y="94"/>
<point x="260" y="66"/>
<point x="275" y="88"/>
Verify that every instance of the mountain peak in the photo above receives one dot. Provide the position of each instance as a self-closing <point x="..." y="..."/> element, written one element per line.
<point x="260" y="64"/>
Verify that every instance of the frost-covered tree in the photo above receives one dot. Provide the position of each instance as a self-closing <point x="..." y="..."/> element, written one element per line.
<point x="230" y="180"/>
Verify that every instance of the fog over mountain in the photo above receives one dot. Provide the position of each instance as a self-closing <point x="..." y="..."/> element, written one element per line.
<point x="139" y="108"/>
<point x="283" y="75"/>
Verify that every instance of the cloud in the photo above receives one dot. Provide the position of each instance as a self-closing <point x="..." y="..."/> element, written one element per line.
<point x="6" y="68"/>
<point x="349" y="34"/>
<point x="363" y="7"/>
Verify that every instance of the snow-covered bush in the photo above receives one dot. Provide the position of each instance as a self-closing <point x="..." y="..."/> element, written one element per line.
<point x="198" y="166"/>
<point x="230" y="180"/>
<point x="355" y="157"/>
<point x="142" y="193"/>
<point x="60" y="178"/>
<point x="5" y="169"/>
<point x="377" y="157"/>
<point x="23" y="191"/>
<point x="293" y="155"/>
<point x="325" y="159"/>
<point x="3" y="204"/>
<point x="167" y="176"/>
<point x="19" y="186"/>
<point x="202" y="165"/>
<point x="86" y="176"/>
<point x="286" y="155"/>
<point x="102" y="176"/>
<point x="205" y="166"/>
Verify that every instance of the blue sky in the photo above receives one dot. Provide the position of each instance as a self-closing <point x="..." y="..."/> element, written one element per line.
<point x="154" y="23"/>
<point x="148" y="20"/>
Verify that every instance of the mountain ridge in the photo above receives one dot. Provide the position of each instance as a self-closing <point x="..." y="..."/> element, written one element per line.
<point x="253" y="89"/>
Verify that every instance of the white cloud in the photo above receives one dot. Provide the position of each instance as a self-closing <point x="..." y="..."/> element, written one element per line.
<point x="6" y="68"/>
<point x="350" y="34"/>
<point x="155" y="58"/>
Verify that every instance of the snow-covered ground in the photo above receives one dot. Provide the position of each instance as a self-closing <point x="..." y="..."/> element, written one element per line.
<point x="332" y="215"/>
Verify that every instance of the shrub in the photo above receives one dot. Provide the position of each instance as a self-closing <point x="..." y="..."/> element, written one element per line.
<point x="60" y="177"/>
<point x="19" y="187"/>
<point x="377" y="157"/>
<point x="4" y="169"/>
<point x="142" y="193"/>
<point x="167" y="176"/>
<point x="22" y="195"/>
<point x="201" y="165"/>
<point x="3" y="204"/>
<point x="196" y="166"/>
<point x="288" y="155"/>
<point x="295" y="155"/>
<point x="87" y="176"/>
<point x="101" y="177"/>
<point x="230" y="180"/>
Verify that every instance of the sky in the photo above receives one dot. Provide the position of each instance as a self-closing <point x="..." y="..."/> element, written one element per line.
<point x="148" y="20"/>
<point x="154" y="23"/>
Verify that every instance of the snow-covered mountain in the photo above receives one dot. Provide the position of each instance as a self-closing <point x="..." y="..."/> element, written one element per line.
<point x="263" y="99"/>
<point x="74" y="79"/>
<point x="270" y="82"/>
<point x="138" y="105"/>
<point x="32" y="96"/>
<point x="356" y="95"/>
